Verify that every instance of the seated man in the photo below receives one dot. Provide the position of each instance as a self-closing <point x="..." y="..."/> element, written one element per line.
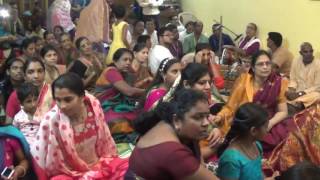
<point x="215" y="37"/>
<point x="281" y="56"/>
<point x="304" y="86"/>
<point x="190" y="41"/>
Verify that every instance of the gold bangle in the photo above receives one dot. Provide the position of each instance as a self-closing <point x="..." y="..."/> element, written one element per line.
<point x="24" y="170"/>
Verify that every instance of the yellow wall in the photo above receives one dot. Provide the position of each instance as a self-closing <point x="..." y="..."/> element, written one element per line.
<point x="297" y="20"/>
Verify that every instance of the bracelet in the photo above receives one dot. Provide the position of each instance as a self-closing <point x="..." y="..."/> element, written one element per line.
<point x="24" y="170"/>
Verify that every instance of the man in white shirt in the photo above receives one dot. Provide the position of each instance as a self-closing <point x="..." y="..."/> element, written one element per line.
<point x="151" y="31"/>
<point x="161" y="51"/>
<point x="150" y="9"/>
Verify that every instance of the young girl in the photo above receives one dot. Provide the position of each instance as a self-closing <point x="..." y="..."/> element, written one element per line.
<point x="119" y="30"/>
<point x="241" y="153"/>
<point x="23" y="120"/>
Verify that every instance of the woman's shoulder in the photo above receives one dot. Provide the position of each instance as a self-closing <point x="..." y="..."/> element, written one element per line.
<point x="165" y="150"/>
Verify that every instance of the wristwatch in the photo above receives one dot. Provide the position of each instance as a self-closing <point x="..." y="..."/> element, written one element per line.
<point x="300" y="93"/>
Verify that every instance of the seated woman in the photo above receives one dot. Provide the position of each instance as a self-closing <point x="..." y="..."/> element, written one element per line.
<point x="249" y="45"/>
<point x="88" y="66"/>
<point x="168" y="147"/>
<point x="49" y="55"/>
<point x="260" y="86"/>
<point x="204" y="55"/>
<point x="139" y="65"/>
<point x="14" y="151"/>
<point x="68" y="51"/>
<point x="114" y="89"/>
<point x="73" y="141"/>
<point x="34" y="71"/>
<point x="198" y="77"/>
<point x="169" y="70"/>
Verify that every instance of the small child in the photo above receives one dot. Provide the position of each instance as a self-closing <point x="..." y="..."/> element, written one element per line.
<point x="28" y="96"/>
<point x="240" y="156"/>
<point x="119" y="32"/>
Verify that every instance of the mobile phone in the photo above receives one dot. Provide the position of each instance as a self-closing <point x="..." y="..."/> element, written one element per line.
<point x="7" y="172"/>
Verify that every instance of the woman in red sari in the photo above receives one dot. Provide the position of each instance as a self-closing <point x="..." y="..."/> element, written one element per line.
<point x="263" y="87"/>
<point x="73" y="141"/>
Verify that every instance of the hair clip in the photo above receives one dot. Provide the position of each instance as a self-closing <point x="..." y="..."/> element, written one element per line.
<point x="165" y="61"/>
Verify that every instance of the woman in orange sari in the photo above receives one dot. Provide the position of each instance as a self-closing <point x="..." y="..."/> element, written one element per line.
<point x="263" y="87"/>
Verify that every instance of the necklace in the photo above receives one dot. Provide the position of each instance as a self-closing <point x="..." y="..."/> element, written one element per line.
<point x="251" y="152"/>
<point x="79" y="124"/>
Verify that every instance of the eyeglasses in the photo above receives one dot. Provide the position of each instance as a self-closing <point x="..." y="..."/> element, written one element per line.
<point x="261" y="64"/>
<point x="310" y="51"/>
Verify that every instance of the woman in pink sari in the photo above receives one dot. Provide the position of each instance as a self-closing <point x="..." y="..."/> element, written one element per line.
<point x="73" y="141"/>
<point x="169" y="70"/>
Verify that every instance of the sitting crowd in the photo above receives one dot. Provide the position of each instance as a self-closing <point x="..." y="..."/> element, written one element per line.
<point x="68" y="105"/>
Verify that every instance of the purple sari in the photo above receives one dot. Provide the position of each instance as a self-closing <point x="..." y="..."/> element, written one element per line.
<point x="267" y="97"/>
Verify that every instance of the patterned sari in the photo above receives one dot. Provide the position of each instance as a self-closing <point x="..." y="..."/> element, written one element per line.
<point x="119" y="109"/>
<point x="56" y="154"/>
<point x="302" y="144"/>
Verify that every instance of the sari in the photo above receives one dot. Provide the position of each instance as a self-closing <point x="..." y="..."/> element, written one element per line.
<point x="119" y="109"/>
<point x="269" y="96"/>
<point x="59" y="15"/>
<point x="153" y="98"/>
<point x="44" y="104"/>
<point x="94" y="22"/>
<point x="55" y="151"/>
<point x="8" y="132"/>
<point x="302" y="144"/>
